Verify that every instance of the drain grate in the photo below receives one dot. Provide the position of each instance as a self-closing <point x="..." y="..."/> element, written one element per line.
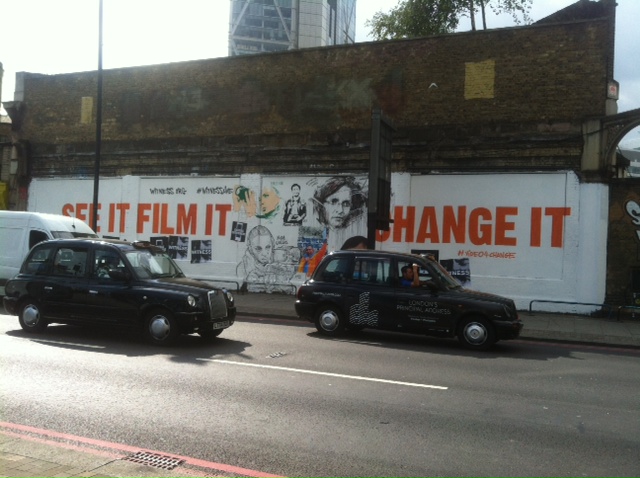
<point x="153" y="459"/>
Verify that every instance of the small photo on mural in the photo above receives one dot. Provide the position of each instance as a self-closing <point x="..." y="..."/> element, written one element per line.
<point x="160" y="241"/>
<point x="200" y="251"/>
<point x="312" y="242"/>
<point x="238" y="231"/>
<point x="459" y="269"/>
<point x="179" y="248"/>
<point x="295" y="208"/>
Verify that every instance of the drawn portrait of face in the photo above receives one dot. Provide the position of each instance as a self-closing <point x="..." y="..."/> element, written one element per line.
<point x="269" y="202"/>
<point x="337" y="207"/>
<point x="261" y="245"/>
<point x="339" y="201"/>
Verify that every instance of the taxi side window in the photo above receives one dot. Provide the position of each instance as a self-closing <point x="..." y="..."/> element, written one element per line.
<point x="335" y="270"/>
<point x="372" y="271"/>
<point x="38" y="261"/>
<point x="70" y="262"/>
<point x="104" y="262"/>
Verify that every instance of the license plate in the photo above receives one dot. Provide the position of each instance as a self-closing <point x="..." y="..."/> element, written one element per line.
<point x="221" y="325"/>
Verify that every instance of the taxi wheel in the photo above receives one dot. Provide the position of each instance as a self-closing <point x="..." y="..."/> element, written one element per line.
<point x="476" y="333"/>
<point x="161" y="328"/>
<point x="209" y="334"/>
<point x="329" y="321"/>
<point x="30" y="317"/>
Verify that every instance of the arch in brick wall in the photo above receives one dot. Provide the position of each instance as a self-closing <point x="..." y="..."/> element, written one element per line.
<point x="614" y="129"/>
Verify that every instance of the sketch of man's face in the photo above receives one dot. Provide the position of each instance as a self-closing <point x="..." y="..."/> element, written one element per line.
<point x="337" y="206"/>
<point x="295" y="191"/>
<point x="262" y="249"/>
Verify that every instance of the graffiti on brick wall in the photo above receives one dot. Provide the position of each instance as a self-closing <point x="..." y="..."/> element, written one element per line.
<point x="633" y="210"/>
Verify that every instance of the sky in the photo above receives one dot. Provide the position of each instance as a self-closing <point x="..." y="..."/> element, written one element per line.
<point x="61" y="36"/>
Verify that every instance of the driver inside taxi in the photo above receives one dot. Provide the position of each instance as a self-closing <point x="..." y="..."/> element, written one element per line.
<point x="410" y="276"/>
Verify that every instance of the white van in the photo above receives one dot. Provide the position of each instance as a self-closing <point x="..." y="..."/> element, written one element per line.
<point x="20" y="231"/>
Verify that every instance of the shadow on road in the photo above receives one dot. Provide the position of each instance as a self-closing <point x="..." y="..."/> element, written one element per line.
<point x="509" y="349"/>
<point x="130" y="343"/>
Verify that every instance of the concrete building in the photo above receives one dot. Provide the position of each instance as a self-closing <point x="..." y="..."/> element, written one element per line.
<point x="276" y="25"/>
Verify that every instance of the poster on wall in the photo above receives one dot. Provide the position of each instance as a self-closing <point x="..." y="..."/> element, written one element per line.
<point x="262" y="229"/>
<point x="200" y="251"/>
<point x="178" y="248"/>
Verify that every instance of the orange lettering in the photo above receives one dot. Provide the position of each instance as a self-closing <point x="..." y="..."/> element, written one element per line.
<point x="187" y="220"/>
<point x="81" y="213"/>
<point x="536" y="227"/>
<point x="223" y="209"/>
<point x="67" y="210"/>
<point x="502" y="226"/>
<point x="557" y="223"/>
<point x="208" y="220"/>
<point x="123" y="208"/>
<point x="480" y="234"/>
<point x="401" y="223"/>
<point x="452" y="226"/>
<point x="164" y="220"/>
<point x="428" y="226"/>
<point x="143" y="216"/>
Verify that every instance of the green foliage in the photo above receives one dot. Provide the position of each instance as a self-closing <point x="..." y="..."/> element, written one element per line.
<point x="415" y="18"/>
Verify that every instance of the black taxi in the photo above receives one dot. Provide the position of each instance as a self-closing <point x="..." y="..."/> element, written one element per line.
<point x="117" y="284"/>
<point x="357" y="289"/>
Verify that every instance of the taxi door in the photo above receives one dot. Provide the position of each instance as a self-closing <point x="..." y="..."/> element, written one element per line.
<point x="369" y="293"/>
<point x="424" y="308"/>
<point x="65" y="290"/>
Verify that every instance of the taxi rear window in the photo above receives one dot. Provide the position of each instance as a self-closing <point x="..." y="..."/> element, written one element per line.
<point x="335" y="270"/>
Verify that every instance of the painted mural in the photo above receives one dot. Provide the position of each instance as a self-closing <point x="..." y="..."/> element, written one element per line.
<point x="515" y="234"/>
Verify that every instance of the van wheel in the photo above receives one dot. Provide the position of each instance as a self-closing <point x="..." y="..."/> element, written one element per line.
<point x="329" y="321"/>
<point x="476" y="333"/>
<point x="161" y="328"/>
<point x="30" y="317"/>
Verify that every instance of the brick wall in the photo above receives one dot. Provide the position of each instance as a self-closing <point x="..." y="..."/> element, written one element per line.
<point x="623" y="251"/>
<point x="508" y="99"/>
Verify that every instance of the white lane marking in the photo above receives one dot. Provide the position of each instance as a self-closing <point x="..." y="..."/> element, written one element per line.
<point x="57" y="342"/>
<point x="326" y="374"/>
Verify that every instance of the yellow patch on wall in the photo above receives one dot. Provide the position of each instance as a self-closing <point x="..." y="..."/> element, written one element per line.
<point x="86" y="109"/>
<point x="479" y="80"/>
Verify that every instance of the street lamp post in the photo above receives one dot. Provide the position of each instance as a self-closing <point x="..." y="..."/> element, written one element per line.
<point x="96" y="178"/>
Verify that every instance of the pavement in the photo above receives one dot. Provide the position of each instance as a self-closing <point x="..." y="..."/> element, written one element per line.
<point x="26" y="451"/>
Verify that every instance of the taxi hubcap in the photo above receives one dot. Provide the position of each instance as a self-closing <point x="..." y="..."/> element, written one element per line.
<point x="31" y="315"/>
<point x="329" y="320"/>
<point x="159" y="327"/>
<point x="475" y="333"/>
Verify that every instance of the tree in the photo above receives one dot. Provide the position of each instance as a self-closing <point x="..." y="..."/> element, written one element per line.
<point x="414" y="18"/>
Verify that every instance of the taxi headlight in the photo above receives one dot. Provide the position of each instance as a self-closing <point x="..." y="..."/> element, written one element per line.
<point x="229" y="296"/>
<point x="191" y="300"/>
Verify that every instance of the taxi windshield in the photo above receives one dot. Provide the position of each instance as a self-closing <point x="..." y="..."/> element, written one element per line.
<point x="445" y="278"/>
<point x="153" y="265"/>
